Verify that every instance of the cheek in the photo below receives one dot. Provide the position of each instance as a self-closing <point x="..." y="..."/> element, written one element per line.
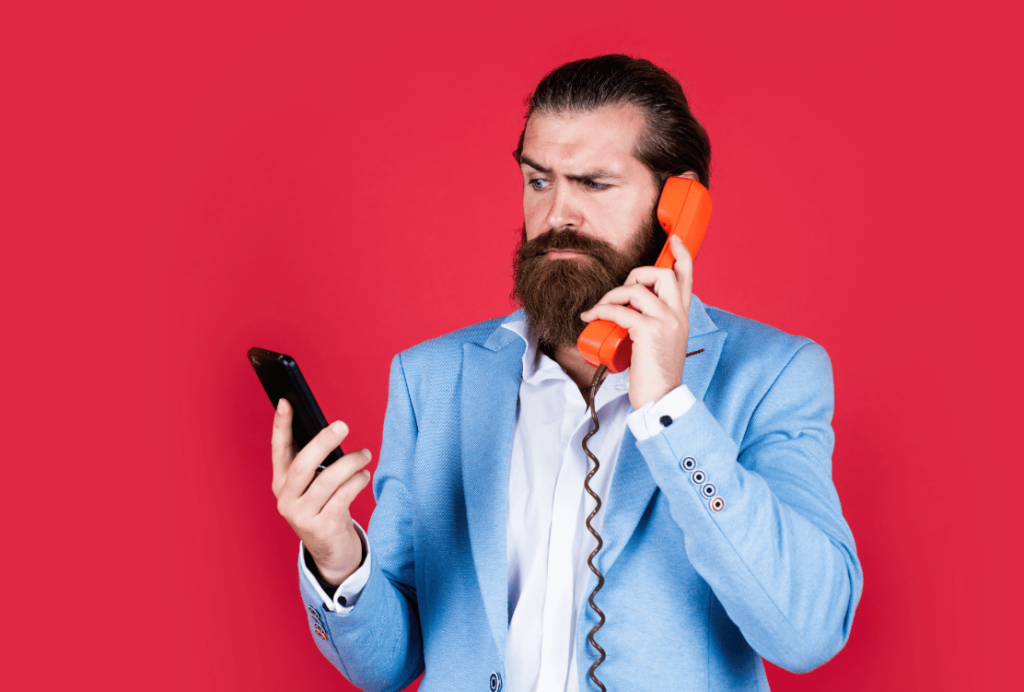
<point x="621" y="223"/>
<point x="533" y="217"/>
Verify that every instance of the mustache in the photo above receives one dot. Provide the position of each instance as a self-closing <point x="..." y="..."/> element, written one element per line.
<point x="566" y="239"/>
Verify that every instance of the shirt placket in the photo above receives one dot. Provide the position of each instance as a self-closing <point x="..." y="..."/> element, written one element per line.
<point x="558" y="601"/>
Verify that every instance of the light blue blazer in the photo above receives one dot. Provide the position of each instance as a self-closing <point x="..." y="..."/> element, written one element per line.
<point x="694" y="598"/>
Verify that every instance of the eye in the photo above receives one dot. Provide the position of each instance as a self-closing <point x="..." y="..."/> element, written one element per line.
<point x="538" y="183"/>
<point x="591" y="185"/>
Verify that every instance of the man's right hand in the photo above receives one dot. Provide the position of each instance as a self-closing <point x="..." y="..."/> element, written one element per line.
<point x="317" y="509"/>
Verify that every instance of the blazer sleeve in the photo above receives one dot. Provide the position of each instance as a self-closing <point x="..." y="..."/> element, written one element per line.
<point x="377" y="645"/>
<point x="778" y="555"/>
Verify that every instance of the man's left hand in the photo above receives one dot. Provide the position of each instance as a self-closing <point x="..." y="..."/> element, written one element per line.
<point x="658" y="323"/>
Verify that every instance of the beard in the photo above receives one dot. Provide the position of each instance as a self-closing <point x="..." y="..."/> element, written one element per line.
<point x="553" y="292"/>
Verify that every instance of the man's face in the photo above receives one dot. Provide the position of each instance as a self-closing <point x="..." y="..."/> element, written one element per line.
<point x="587" y="206"/>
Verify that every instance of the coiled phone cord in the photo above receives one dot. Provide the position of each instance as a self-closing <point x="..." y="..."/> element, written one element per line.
<point x="591" y="391"/>
<point x="595" y="384"/>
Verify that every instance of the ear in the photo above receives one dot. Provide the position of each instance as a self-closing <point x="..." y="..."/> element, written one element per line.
<point x="691" y="175"/>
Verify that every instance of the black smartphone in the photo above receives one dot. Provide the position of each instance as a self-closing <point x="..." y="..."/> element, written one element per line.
<point x="281" y="378"/>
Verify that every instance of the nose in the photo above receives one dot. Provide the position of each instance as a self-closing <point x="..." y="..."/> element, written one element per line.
<point x="564" y="212"/>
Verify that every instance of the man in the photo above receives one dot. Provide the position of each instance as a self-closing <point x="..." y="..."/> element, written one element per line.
<point x="722" y="536"/>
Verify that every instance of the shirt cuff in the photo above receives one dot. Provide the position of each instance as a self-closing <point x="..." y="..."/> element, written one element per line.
<point x="654" y="416"/>
<point x="347" y="593"/>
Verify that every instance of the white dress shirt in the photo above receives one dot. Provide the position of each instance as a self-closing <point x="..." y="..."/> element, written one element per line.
<point x="548" y="542"/>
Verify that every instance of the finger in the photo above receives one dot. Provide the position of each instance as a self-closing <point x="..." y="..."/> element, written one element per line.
<point x="282" y="446"/>
<point x="333" y="477"/>
<point x="620" y="295"/>
<point x="338" y="505"/>
<point x="303" y="468"/>
<point x="626" y="318"/>
<point x="662" y="281"/>
<point x="639" y="297"/>
<point x="683" y="268"/>
<point x="648" y="276"/>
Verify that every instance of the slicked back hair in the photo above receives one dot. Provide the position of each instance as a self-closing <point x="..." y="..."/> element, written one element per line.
<point x="673" y="141"/>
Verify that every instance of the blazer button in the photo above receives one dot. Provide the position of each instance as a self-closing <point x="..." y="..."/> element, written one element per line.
<point x="312" y="611"/>
<point x="689" y="464"/>
<point x="320" y="632"/>
<point x="495" y="682"/>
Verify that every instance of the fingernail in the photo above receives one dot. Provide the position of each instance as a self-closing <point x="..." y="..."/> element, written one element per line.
<point x="280" y="405"/>
<point x="366" y="473"/>
<point x="339" y="428"/>
<point x="366" y="453"/>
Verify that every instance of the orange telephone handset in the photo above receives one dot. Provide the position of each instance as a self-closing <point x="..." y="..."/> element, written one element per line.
<point x="684" y="209"/>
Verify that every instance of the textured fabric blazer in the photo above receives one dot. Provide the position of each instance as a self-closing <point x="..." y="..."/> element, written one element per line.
<point x="694" y="597"/>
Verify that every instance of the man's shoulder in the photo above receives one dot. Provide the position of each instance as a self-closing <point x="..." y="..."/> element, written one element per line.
<point x="448" y="348"/>
<point x="752" y="342"/>
<point x="747" y="327"/>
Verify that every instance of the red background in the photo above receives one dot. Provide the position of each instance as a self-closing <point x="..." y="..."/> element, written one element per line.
<point x="334" y="180"/>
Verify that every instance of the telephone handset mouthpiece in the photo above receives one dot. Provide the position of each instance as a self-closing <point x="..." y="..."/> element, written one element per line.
<point x="684" y="209"/>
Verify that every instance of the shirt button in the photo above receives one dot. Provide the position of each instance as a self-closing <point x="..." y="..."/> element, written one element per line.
<point x="495" y="682"/>
<point x="665" y="420"/>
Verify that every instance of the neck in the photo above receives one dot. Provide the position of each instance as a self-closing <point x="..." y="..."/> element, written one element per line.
<point x="581" y="372"/>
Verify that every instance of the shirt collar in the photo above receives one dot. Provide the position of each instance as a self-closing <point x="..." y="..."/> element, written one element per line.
<point x="537" y="366"/>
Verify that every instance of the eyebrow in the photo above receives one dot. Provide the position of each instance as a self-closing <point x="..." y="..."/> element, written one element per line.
<point x="579" y="177"/>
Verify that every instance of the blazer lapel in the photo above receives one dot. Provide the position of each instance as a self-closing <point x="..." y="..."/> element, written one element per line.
<point x="490" y="397"/>
<point x="632" y="485"/>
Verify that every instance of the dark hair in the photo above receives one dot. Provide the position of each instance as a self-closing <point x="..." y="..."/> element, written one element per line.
<point x="674" y="141"/>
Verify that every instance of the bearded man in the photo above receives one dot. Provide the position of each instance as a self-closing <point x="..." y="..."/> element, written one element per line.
<point x="723" y="540"/>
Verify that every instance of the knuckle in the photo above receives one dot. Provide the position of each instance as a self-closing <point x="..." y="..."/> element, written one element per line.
<point x="307" y="458"/>
<point x="303" y="524"/>
<point x="352" y="489"/>
<point x="319" y="440"/>
<point x="341" y="499"/>
<point x="283" y="508"/>
<point x="326" y="438"/>
<point x="356" y="488"/>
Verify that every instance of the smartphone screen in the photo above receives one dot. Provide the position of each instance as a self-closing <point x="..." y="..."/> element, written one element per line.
<point x="281" y="379"/>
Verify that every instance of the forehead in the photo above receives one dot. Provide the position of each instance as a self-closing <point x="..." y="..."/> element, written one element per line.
<point x="602" y="139"/>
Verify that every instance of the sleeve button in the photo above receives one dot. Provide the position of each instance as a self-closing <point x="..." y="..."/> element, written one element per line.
<point x="698" y="477"/>
<point x="689" y="464"/>
<point x="717" y="504"/>
<point x="708" y="489"/>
